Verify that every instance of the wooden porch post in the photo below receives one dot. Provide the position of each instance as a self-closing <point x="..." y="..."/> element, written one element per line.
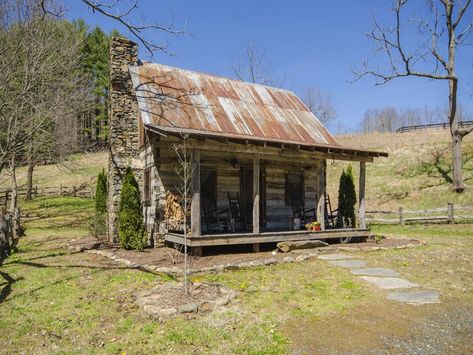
<point x="195" y="193"/>
<point x="256" y="193"/>
<point x="361" y="193"/>
<point x="321" y="194"/>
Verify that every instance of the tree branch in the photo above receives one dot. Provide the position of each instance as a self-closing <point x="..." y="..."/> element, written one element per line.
<point x="461" y="13"/>
<point x="465" y="131"/>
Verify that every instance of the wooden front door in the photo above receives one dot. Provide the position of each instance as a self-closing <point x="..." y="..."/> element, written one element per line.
<point x="246" y="195"/>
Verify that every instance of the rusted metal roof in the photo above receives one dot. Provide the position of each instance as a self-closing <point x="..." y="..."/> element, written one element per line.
<point x="176" y="100"/>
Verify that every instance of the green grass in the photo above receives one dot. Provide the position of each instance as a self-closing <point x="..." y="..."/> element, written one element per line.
<point x="444" y="231"/>
<point x="443" y="263"/>
<point x="82" y="303"/>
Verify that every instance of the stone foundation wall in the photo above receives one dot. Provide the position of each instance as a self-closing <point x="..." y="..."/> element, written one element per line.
<point x="123" y="134"/>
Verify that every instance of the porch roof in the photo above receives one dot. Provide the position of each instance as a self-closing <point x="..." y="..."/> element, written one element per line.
<point x="177" y="101"/>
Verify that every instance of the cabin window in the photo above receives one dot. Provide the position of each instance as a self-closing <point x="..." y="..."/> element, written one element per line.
<point x="294" y="189"/>
<point x="208" y="187"/>
<point x="147" y="186"/>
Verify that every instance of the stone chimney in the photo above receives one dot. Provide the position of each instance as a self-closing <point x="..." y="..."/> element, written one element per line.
<point x="123" y="126"/>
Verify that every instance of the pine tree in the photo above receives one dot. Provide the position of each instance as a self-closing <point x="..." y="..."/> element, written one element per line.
<point x="95" y="65"/>
<point x="131" y="230"/>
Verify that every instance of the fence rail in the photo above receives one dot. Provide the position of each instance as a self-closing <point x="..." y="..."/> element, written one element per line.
<point x="449" y="214"/>
<point x="444" y="125"/>
<point x="38" y="191"/>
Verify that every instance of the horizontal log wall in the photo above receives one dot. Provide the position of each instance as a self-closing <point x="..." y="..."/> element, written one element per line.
<point x="162" y="160"/>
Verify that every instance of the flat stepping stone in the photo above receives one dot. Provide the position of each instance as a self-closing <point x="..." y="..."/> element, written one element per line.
<point x="375" y="271"/>
<point x="388" y="283"/>
<point x="334" y="256"/>
<point x="415" y="297"/>
<point x="349" y="263"/>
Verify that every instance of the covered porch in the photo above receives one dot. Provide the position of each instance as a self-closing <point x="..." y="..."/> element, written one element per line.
<point x="261" y="175"/>
<point x="255" y="239"/>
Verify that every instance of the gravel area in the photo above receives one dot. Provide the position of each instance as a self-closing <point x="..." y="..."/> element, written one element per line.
<point x="448" y="332"/>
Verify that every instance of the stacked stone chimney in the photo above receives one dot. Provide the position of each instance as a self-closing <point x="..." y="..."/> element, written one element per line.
<point x="123" y="125"/>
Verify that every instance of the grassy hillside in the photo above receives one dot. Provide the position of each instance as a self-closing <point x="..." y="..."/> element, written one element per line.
<point x="411" y="176"/>
<point x="415" y="175"/>
<point x="78" y="169"/>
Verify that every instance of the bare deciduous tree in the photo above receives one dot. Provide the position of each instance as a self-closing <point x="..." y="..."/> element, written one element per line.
<point x="431" y="56"/>
<point x="184" y="171"/>
<point x="42" y="91"/>
<point x="121" y="11"/>
<point x="254" y="67"/>
<point x="320" y="104"/>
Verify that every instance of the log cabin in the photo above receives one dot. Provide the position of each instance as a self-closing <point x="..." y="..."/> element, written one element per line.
<point x="254" y="157"/>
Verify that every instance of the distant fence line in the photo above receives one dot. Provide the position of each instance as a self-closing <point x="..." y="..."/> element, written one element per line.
<point x="402" y="216"/>
<point x="444" y="125"/>
<point x="39" y="191"/>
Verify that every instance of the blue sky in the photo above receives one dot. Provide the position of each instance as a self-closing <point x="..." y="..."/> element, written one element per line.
<point x="310" y="43"/>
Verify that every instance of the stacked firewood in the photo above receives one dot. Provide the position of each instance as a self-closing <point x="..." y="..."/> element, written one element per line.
<point x="173" y="212"/>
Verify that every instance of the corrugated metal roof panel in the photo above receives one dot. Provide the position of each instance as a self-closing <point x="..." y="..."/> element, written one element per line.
<point x="175" y="98"/>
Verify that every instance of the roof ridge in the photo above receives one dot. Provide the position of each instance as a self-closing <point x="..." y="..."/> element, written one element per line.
<point x="219" y="76"/>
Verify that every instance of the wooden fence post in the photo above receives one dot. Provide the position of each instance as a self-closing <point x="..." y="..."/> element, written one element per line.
<point x="35" y="191"/>
<point x="60" y="190"/>
<point x="450" y="213"/>
<point x="401" y="216"/>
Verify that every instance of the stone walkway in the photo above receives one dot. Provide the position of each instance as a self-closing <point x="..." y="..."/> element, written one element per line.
<point x="402" y="290"/>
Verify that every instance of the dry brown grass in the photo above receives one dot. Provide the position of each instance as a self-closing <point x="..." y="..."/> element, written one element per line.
<point x="402" y="178"/>
<point x="391" y="182"/>
<point x="76" y="170"/>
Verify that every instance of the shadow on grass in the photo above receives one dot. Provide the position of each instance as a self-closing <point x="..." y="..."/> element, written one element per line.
<point x="50" y="255"/>
<point x="6" y="290"/>
<point x="39" y="265"/>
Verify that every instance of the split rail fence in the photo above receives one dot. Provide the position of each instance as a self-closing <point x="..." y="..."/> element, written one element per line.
<point x="450" y="214"/>
<point x="40" y="191"/>
<point x="444" y="125"/>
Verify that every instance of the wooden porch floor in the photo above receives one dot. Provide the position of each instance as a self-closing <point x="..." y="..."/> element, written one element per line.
<point x="265" y="237"/>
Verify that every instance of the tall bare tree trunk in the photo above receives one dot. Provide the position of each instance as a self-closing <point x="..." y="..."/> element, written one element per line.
<point x="452" y="106"/>
<point x="29" y="180"/>
<point x="14" y="187"/>
<point x="29" y="174"/>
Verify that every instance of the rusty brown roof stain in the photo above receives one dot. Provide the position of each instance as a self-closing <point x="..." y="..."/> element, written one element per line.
<point x="173" y="99"/>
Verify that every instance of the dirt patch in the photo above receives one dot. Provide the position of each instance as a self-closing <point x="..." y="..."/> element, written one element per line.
<point x="171" y="258"/>
<point x="384" y="243"/>
<point x="385" y="327"/>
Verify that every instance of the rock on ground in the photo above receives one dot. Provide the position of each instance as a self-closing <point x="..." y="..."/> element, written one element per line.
<point x="306" y="244"/>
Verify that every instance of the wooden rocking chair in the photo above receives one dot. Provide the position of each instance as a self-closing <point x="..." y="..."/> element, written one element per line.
<point x="238" y="218"/>
<point x="330" y="215"/>
<point x="306" y="216"/>
<point x="214" y="220"/>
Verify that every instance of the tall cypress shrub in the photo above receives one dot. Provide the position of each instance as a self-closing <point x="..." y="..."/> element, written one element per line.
<point x="341" y="199"/>
<point x="350" y="196"/>
<point x="346" y="199"/>
<point x="101" y="193"/>
<point x="98" y="226"/>
<point x="131" y="231"/>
